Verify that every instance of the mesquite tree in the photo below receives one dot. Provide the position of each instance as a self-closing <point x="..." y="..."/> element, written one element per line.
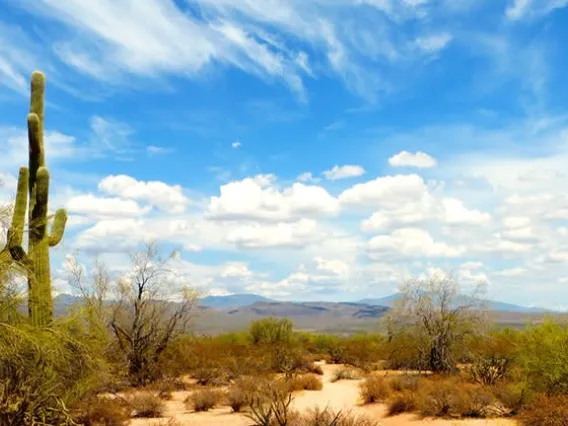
<point x="436" y="316"/>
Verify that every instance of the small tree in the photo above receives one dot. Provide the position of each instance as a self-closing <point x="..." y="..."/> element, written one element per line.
<point x="437" y="316"/>
<point x="144" y="309"/>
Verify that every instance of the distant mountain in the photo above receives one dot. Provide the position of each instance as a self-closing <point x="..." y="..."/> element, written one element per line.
<point x="311" y="309"/>
<point x="491" y="305"/>
<point x="232" y="300"/>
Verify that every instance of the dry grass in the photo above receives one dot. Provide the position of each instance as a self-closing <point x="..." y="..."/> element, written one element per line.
<point x="309" y="382"/>
<point x="204" y="399"/>
<point x="402" y="402"/>
<point x="326" y="417"/>
<point x="169" y="422"/>
<point x="100" y="411"/>
<point x="146" y="404"/>
<point x="546" y="411"/>
<point x="315" y="369"/>
<point x="346" y="373"/>
<point x="405" y="383"/>
<point x="375" y="389"/>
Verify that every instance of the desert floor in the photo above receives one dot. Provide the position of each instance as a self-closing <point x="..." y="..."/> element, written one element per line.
<point x="341" y="395"/>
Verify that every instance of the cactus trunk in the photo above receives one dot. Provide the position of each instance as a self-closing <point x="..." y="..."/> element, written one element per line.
<point x="34" y="181"/>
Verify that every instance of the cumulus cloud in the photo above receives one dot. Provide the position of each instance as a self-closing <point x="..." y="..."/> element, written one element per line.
<point x="259" y="199"/>
<point x="412" y="242"/>
<point x="104" y="206"/>
<point x="343" y="172"/>
<point x="418" y="159"/>
<point x="161" y="195"/>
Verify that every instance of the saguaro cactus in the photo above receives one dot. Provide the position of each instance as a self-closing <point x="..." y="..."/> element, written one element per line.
<point x="34" y="181"/>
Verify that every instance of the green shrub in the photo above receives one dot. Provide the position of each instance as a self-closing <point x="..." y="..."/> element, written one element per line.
<point x="544" y="358"/>
<point x="270" y="331"/>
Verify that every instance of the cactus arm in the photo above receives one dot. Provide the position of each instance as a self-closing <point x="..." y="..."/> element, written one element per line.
<point x="37" y="106"/>
<point x="16" y="231"/>
<point x="58" y="227"/>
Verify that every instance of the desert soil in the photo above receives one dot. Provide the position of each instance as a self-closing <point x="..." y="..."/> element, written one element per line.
<point x="341" y="395"/>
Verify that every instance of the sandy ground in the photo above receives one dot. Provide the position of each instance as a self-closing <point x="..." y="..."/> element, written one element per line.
<point x="342" y="395"/>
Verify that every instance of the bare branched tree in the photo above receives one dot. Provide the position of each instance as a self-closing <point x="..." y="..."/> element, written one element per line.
<point x="145" y="309"/>
<point x="146" y="316"/>
<point x="438" y="316"/>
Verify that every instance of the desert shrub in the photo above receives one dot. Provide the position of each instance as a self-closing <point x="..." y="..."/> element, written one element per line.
<point x="345" y="373"/>
<point x="146" y="404"/>
<point x="513" y="396"/>
<point x="327" y="417"/>
<point x="452" y="397"/>
<point x="474" y="401"/>
<point x="375" y="389"/>
<point x="204" y="399"/>
<point x="544" y="358"/>
<point x="237" y="398"/>
<point x="42" y="372"/>
<point x="402" y="402"/>
<point x="211" y="376"/>
<point x="305" y="382"/>
<point x="271" y="331"/>
<point x="271" y="406"/>
<point x="169" y="422"/>
<point x="315" y="369"/>
<point x="410" y="382"/>
<point x="403" y="353"/>
<point x="362" y="351"/>
<point x="438" y="398"/>
<point x="164" y="388"/>
<point x="99" y="411"/>
<point x="546" y="411"/>
<point x="488" y="370"/>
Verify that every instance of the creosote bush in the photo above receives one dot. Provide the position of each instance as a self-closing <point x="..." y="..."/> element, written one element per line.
<point x="204" y="399"/>
<point x="375" y="389"/>
<point x="345" y="373"/>
<point x="305" y="382"/>
<point x="102" y="411"/>
<point x="146" y="404"/>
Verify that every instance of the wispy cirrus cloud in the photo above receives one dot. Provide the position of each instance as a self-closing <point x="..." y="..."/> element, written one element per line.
<point x="110" y="40"/>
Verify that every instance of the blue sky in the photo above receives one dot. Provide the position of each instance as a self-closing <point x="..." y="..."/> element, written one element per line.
<point x="303" y="149"/>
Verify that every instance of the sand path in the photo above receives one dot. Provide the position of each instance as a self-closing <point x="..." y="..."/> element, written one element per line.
<point x="342" y="395"/>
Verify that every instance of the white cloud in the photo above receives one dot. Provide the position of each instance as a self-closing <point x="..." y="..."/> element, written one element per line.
<point x="307" y="177"/>
<point x="343" y="172"/>
<point x="259" y="199"/>
<point x="251" y="35"/>
<point x="411" y="242"/>
<point x="519" y="9"/>
<point x="433" y="43"/>
<point x="163" y="196"/>
<point x="296" y="234"/>
<point x="418" y="159"/>
<point x="236" y="144"/>
<point x="385" y="191"/>
<point x="110" y="207"/>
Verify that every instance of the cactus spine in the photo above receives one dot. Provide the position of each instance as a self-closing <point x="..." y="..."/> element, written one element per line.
<point x="33" y="181"/>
